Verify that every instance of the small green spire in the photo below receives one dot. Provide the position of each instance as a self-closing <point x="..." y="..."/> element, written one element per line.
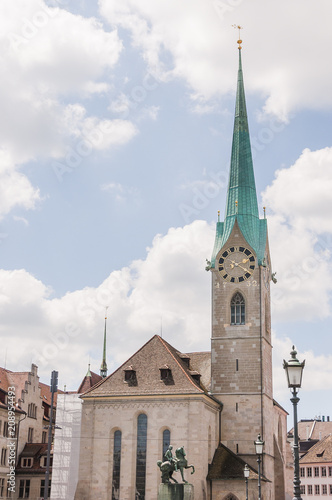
<point x="103" y="366"/>
<point x="88" y="373"/>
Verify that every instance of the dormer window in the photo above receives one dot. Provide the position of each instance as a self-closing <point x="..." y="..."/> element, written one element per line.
<point x="26" y="462"/>
<point x="43" y="461"/>
<point x="185" y="358"/>
<point x="130" y="376"/>
<point x="196" y="376"/>
<point x="166" y="375"/>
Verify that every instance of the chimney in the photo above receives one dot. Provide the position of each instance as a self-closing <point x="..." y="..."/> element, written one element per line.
<point x="327" y="418"/>
<point x="323" y="418"/>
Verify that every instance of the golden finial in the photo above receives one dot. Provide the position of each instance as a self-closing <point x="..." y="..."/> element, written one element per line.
<point x="236" y="204"/>
<point x="236" y="26"/>
<point x="218" y="215"/>
<point x="264" y="208"/>
<point x="106" y="311"/>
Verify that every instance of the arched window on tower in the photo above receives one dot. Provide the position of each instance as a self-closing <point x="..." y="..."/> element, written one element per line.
<point x="238" y="310"/>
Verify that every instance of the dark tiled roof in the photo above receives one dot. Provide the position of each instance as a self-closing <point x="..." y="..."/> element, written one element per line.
<point x="321" y="452"/>
<point x="35" y="451"/>
<point x="227" y="465"/>
<point x="146" y="363"/>
<point x="88" y="382"/>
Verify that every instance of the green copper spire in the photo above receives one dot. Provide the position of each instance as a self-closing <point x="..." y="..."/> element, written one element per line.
<point x="241" y="187"/>
<point x="103" y="366"/>
<point x="241" y="204"/>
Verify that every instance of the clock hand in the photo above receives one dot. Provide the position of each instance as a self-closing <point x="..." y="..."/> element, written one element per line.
<point x="245" y="269"/>
<point x="244" y="261"/>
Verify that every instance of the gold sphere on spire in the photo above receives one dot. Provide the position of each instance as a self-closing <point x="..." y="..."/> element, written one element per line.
<point x="236" y="26"/>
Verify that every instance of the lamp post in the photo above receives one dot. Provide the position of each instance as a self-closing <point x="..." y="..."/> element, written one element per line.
<point x="246" y="473"/>
<point x="294" y="371"/>
<point x="259" y="452"/>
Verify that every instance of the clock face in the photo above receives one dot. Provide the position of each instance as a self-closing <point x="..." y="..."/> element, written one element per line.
<point x="236" y="264"/>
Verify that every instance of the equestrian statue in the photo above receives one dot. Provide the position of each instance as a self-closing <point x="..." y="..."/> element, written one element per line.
<point x="174" y="464"/>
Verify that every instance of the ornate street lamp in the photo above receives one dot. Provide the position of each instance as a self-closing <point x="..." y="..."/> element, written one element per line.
<point x="246" y="473"/>
<point x="259" y="452"/>
<point x="294" y="371"/>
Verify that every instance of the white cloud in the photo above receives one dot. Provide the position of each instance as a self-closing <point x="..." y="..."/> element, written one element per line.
<point x="316" y="381"/>
<point x="53" y="62"/>
<point x="193" y="40"/>
<point x="301" y="236"/>
<point x="170" y="285"/>
<point x="15" y="188"/>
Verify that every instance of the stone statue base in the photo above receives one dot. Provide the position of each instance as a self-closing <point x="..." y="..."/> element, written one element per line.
<point x="173" y="491"/>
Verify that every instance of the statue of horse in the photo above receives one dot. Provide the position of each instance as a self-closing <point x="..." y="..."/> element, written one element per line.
<point x="167" y="468"/>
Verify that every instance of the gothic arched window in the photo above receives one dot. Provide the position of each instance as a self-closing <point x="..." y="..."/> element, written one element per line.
<point x="116" y="465"/>
<point x="166" y="441"/>
<point x="238" y="310"/>
<point x="142" y="427"/>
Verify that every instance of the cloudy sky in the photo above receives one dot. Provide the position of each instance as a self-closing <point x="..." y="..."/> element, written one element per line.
<point x="115" y="137"/>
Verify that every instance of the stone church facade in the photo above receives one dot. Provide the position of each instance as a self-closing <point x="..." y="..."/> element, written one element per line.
<point x="213" y="403"/>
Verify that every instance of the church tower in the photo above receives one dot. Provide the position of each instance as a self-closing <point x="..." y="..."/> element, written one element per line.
<point x="241" y="327"/>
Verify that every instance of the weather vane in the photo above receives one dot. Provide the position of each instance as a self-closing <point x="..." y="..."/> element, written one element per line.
<point x="236" y="26"/>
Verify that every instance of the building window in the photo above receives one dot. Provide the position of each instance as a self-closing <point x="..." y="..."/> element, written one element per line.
<point x="237" y="365"/>
<point x="330" y="471"/>
<point x="116" y="465"/>
<point x="44" y="437"/>
<point x="142" y="427"/>
<point x="238" y="309"/>
<point x="323" y="473"/>
<point x="166" y="441"/>
<point x="42" y="488"/>
<point x="43" y="461"/>
<point x="309" y="472"/>
<point x="24" y="490"/>
<point x="316" y="471"/>
<point x="309" y="489"/>
<point x="26" y="462"/>
<point x="30" y="435"/>
<point x="9" y="493"/>
<point x="324" y="489"/>
<point x="302" y="489"/>
<point x="32" y="410"/>
<point x="302" y="471"/>
<point x="330" y="489"/>
<point x="3" y="456"/>
<point x="2" y="486"/>
<point x="5" y="429"/>
<point x="317" y="489"/>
